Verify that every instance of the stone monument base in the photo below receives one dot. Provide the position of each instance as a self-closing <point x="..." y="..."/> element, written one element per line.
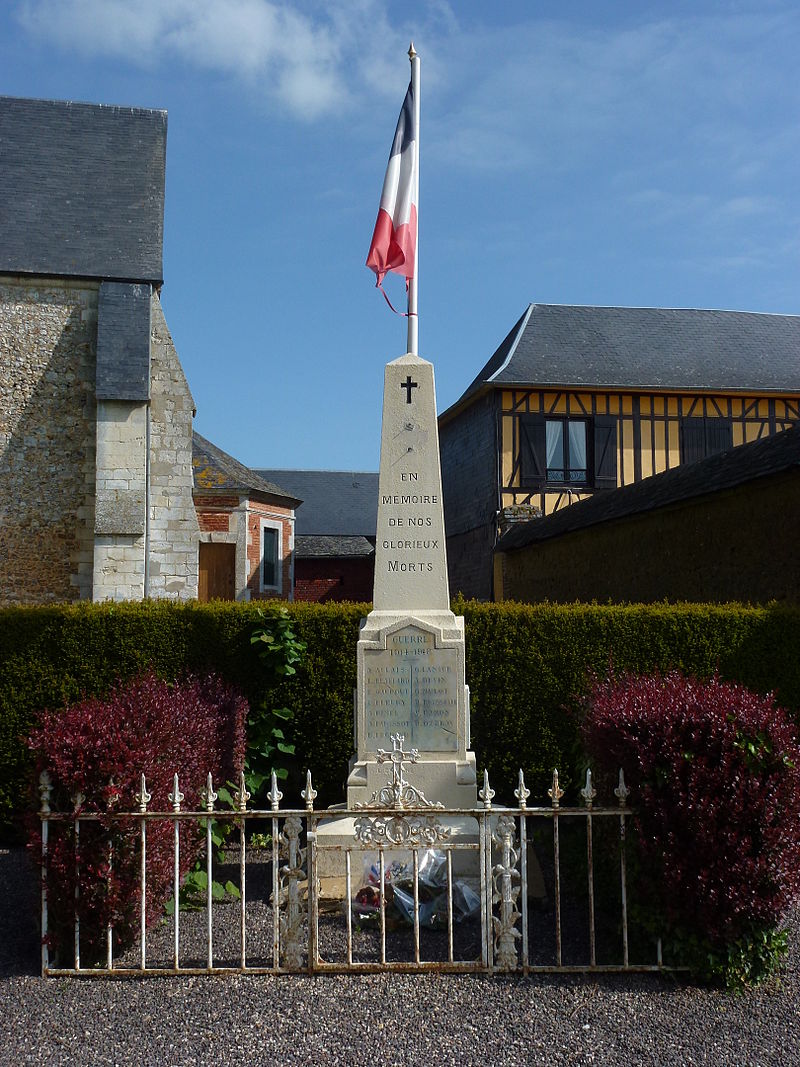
<point x="451" y="783"/>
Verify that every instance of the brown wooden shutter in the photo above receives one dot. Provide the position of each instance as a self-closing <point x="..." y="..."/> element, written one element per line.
<point x="533" y="461"/>
<point x="605" y="452"/>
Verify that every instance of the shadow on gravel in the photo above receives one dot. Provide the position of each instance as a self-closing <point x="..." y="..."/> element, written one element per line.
<point x="19" y="914"/>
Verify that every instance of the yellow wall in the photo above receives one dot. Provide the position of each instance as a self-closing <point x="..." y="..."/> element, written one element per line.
<point x="655" y="447"/>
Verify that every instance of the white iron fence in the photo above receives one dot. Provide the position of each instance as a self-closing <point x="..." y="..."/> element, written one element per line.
<point x="399" y="884"/>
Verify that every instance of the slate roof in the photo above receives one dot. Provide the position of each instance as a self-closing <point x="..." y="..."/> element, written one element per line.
<point x="555" y="345"/>
<point x="82" y="190"/>
<point x="214" y="470"/>
<point x="746" y="463"/>
<point x="334" y="502"/>
<point x="338" y="547"/>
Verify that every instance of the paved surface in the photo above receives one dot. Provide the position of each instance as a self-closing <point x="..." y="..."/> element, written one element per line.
<point x="381" y="1020"/>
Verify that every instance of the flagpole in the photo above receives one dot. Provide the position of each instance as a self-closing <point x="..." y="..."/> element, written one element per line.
<point x="413" y="319"/>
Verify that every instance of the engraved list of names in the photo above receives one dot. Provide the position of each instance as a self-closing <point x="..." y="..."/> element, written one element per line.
<point x="410" y="689"/>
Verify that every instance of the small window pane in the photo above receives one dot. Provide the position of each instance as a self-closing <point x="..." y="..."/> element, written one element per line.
<point x="577" y="451"/>
<point x="555" y="451"/>
<point x="270" y="558"/>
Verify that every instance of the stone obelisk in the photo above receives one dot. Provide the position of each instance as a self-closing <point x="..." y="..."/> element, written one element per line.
<point x="411" y="647"/>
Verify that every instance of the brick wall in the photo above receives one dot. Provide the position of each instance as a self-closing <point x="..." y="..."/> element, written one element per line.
<point x="736" y="545"/>
<point x="256" y="512"/>
<point x="47" y="439"/>
<point x="323" y="580"/>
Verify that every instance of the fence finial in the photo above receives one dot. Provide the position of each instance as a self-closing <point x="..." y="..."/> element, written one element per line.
<point x="176" y="796"/>
<point x="45" y="789"/>
<point x="274" y="796"/>
<point x="622" y="792"/>
<point x="555" y="793"/>
<point x="241" y="796"/>
<point x="308" y="793"/>
<point x="522" y="793"/>
<point x="487" y="792"/>
<point x="207" y="795"/>
<point x="588" y="792"/>
<point x="142" y="798"/>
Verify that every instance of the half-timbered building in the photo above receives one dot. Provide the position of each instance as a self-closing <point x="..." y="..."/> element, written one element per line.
<point x="581" y="400"/>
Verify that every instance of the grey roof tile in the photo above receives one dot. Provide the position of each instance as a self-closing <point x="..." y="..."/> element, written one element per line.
<point x="334" y="502"/>
<point x="82" y="189"/>
<point x="726" y="470"/>
<point x="647" y="348"/>
<point x="340" y="547"/>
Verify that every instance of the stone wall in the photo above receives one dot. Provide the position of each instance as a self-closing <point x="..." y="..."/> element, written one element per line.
<point x="733" y="545"/>
<point x="173" y="530"/>
<point x="47" y="439"/>
<point x="120" y="500"/>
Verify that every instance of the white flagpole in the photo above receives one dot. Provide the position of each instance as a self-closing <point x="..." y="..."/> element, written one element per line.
<point x="413" y="320"/>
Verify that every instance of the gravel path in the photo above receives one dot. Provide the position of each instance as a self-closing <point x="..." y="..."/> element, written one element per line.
<point x="385" y="1020"/>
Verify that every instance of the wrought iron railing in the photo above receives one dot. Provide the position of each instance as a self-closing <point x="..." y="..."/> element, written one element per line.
<point x="398" y="884"/>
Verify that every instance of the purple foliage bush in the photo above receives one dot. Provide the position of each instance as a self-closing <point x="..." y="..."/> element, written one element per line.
<point x="715" y="774"/>
<point x="95" y="752"/>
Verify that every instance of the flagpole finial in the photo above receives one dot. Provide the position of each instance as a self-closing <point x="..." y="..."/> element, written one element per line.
<point x="411" y="51"/>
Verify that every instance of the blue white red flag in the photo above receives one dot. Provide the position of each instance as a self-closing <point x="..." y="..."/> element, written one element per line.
<point x="394" y="240"/>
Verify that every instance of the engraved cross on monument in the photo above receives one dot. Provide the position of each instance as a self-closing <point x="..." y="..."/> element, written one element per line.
<point x="411" y="646"/>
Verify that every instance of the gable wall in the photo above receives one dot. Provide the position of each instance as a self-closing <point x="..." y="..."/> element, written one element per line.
<point x="468" y="451"/>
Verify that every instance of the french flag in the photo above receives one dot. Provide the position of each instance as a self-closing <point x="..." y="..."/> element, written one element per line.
<point x="394" y="240"/>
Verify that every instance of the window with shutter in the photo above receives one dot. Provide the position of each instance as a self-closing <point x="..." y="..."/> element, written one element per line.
<point x="533" y="462"/>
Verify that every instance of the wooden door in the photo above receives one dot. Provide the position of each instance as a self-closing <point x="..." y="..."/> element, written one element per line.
<point x="217" y="572"/>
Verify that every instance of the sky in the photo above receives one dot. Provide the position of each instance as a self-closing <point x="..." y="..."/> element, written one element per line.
<point x="608" y="153"/>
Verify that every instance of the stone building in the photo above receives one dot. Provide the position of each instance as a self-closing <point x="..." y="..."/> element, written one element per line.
<point x="580" y="402"/>
<point x="95" y="411"/>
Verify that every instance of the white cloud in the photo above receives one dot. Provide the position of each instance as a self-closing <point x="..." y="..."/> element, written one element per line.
<point x="293" y="57"/>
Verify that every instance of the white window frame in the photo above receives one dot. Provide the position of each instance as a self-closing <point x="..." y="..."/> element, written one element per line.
<point x="270" y="524"/>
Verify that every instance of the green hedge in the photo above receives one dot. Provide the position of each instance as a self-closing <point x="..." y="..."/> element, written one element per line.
<point x="525" y="663"/>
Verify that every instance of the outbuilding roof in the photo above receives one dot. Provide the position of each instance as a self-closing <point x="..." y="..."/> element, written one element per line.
<point x="746" y="463"/>
<point x="562" y="345"/>
<point x="334" y="502"/>
<point x="214" y="470"/>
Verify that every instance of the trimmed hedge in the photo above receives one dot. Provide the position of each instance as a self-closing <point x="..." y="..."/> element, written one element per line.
<point x="525" y="665"/>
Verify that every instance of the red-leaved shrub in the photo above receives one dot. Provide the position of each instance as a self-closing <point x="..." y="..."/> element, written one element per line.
<point x="715" y="777"/>
<point x="95" y="753"/>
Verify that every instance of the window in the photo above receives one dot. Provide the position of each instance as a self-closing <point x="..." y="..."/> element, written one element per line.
<point x="271" y="569"/>
<point x="565" y="445"/>
<point x="571" y="452"/>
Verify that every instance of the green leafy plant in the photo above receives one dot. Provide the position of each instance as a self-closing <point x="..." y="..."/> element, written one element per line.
<point x="280" y="651"/>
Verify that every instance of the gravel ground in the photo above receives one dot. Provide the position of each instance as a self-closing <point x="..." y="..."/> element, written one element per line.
<point x="378" y="1019"/>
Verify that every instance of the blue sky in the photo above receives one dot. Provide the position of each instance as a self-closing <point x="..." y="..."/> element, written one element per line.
<point x="640" y="153"/>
